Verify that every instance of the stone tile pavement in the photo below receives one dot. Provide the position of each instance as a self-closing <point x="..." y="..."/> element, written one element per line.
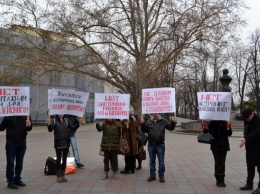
<point x="189" y="167"/>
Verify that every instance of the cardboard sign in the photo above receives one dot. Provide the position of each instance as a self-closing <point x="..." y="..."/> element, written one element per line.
<point x="214" y="105"/>
<point x="158" y="100"/>
<point x="68" y="102"/>
<point x="112" y="106"/>
<point x="14" y="101"/>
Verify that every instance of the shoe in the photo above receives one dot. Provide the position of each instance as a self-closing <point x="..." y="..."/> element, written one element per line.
<point x="115" y="176"/>
<point x="138" y="168"/>
<point x="132" y="171"/>
<point x="162" y="180"/>
<point x="105" y="175"/>
<point x="20" y="183"/>
<point x="246" y="187"/>
<point x="257" y="191"/>
<point x="12" y="186"/>
<point x="79" y="165"/>
<point x="124" y="172"/>
<point x="151" y="178"/>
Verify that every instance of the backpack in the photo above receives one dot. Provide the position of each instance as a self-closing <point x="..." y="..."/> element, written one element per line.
<point x="50" y="166"/>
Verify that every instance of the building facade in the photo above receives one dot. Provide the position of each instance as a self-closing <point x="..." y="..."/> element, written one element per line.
<point x="39" y="83"/>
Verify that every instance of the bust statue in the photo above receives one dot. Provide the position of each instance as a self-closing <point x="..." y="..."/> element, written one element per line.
<point x="225" y="81"/>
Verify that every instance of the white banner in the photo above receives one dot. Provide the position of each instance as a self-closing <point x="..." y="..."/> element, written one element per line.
<point x="14" y="101"/>
<point x="112" y="106"/>
<point x="49" y="98"/>
<point x="214" y="105"/>
<point x="158" y="100"/>
<point x="68" y="102"/>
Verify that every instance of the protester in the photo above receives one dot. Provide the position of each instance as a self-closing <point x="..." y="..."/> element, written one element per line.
<point x="62" y="128"/>
<point x="16" y="132"/>
<point x="140" y="145"/>
<point x="132" y="129"/>
<point x="109" y="144"/>
<point x="73" y="141"/>
<point x="251" y="141"/>
<point x="220" y="130"/>
<point x="155" y="128"/>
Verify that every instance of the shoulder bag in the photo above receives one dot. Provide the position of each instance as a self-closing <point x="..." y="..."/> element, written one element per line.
<point x="205" y="138"/>
<point x="123" y="145"/>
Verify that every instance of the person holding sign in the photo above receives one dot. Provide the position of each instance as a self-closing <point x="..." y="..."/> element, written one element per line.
<point x="132" y="129"/>
<point x="220" y="130"/>
<point x="251" y="141"/>
<point x="73" y="141"/>
<point x="16" y="131"/>
<point x="109" y="144"/>
<point x="62" y="128"/>
<point x="155" y="128"/>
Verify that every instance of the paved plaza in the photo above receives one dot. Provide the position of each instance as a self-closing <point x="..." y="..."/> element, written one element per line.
<point x="189" y="167"/>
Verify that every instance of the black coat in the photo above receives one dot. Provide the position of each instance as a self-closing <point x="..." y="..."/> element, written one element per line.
<point x="15" y="126"/>
<point x="219" y="131"/>
<point x="156" y="129"/>
<point x="62" y="131"/>
<point x="252" y="137"/>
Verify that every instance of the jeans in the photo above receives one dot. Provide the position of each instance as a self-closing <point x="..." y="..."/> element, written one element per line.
<point x="15" y="150"/>
<point x="159" y="150"/>
<point x="74" y="147"/>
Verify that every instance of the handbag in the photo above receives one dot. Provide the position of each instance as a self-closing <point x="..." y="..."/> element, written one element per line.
<point x="142" y="154"/>
<point x="205" y="138"/>
<point x="123" y="145"/>
<point x="141" y="138"/>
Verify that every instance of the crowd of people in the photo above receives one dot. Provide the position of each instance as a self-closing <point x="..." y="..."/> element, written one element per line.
<point x="154" y="127"/>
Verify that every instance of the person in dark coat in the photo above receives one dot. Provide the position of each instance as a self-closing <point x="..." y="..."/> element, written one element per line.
<point x="131" y="131"/>
<point x="62" y="128"/>
<point x="16" y="132"/>
<point x="155" y="128"/>
<point x="251" y="141"/>
<point x="220" y="130"/>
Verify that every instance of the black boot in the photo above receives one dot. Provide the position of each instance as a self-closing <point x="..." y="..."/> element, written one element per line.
<point x="247" y="187"/>
<point x="222" y="181"/>
<point x="217" y="180"/>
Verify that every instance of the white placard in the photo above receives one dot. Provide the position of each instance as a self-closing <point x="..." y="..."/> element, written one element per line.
<point x="112" y="106"/>
<point x="68" y="102"/>
<point x="49" y="98"/>
<point x="214" y="105"/>
<point x="14" y="101"/>
<point x="158" y="100"/>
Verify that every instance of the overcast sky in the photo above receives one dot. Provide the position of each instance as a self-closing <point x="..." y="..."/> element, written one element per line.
<point x="252" y="16"/>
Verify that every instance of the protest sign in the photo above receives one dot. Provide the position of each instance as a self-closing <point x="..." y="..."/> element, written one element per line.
<point x="68" y="102"/>
<point x="214" y="105"/>
<point x="14" y="101"/>
<point x="112" y="106"/>
<point x="49" y="98"/>
<point x="158" y="100"/>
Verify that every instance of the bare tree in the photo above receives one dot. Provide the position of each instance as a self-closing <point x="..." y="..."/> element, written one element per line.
<point x="253" y="74"/>
<point x="128" y="44"/>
